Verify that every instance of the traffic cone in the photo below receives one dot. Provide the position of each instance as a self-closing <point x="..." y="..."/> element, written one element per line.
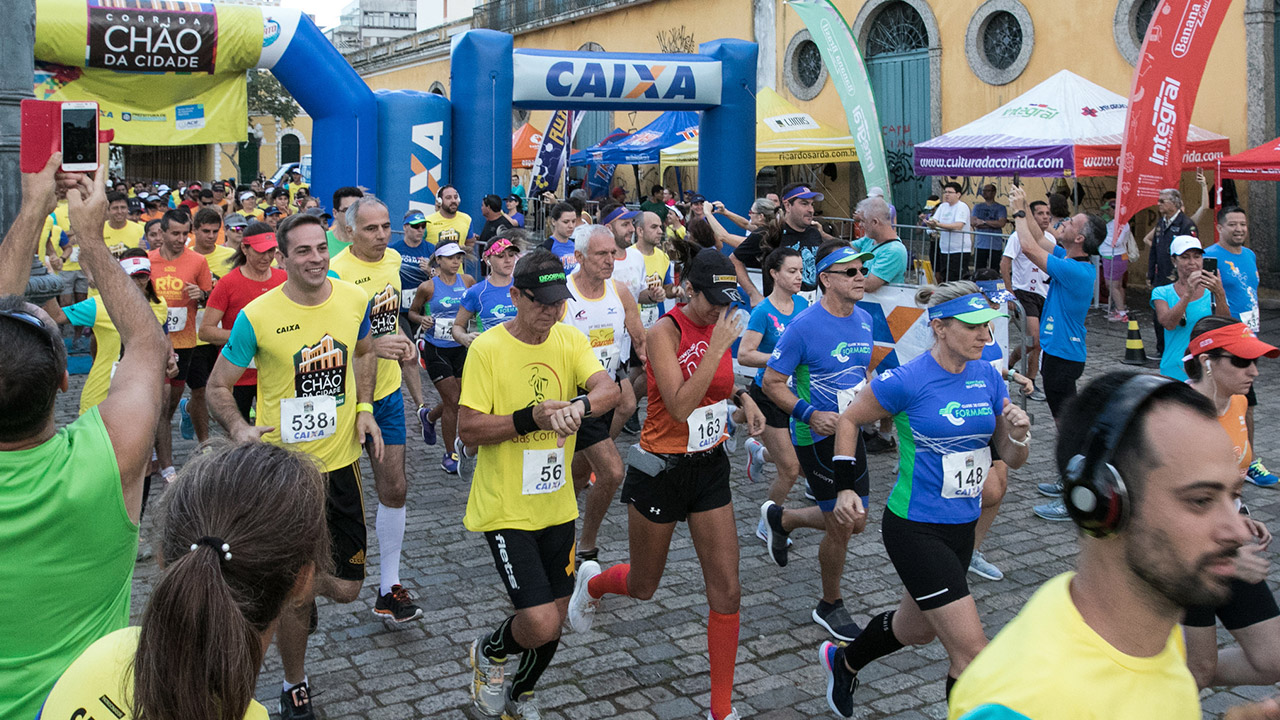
<point x="1134" y="354"/>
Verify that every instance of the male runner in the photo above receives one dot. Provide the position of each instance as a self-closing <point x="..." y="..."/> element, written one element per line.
<point x="204" y="240"/>
<point x="339" y="236"/>
<point x="119" y="233"/>
<point x="375" y="268"/>
<point x="415" y="269"/>
<point x="520" y="406"/>
<point x="447" y="225"/>
<point x="311" y="342"/>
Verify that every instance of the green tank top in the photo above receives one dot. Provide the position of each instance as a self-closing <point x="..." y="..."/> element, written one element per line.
<point x="67" y="549"/>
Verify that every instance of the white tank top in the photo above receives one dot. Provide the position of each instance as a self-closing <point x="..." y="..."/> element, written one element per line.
<point x="602" y="321"/>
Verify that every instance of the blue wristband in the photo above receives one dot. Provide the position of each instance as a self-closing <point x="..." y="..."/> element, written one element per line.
<point x="802" y="411"/>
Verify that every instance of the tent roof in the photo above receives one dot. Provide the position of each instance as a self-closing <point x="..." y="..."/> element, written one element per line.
<point x="524" y="146"/>
<point x="1065" y="125"/>
<point x="784" y="136"/>
<point x="643" y="146"/>
<point x="1259" y="163"/>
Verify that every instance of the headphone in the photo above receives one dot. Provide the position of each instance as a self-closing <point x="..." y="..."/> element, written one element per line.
<point x="1093" y="491"/>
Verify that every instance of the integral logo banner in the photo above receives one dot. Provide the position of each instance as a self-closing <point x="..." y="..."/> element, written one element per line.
<point x="159" y="40"/>
<point x="163" y="72"/>
<point x="1165" y="82"/>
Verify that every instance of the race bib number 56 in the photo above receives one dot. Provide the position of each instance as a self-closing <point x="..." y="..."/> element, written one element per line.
<point x="543" y="471"/>
<point x="304" y="419"/>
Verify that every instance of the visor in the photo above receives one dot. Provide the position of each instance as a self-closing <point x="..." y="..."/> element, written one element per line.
<point x="497" y="246"/>
<point x="448" y="249"/>
<point x="802" y="193"/>
<point x="841" y="256"/>
<point x="971" y="309"/>
<point x="247" y="196"/>
<point x="620" y="213"/>
<point x="262" y="242"/>
<point x="136" y="266"/>
<point x="1236" y="339"/>
<point x="995" y="291"/>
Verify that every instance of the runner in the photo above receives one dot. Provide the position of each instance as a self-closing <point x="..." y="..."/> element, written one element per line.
<point x="680" y="470"/>
<point x="768" y="321"/>
<point x="182" y="279"/>
<point x="563" y="220"/>
<point x="251" y="276"/>
<point x="375" y="268"/>
<point x="795" y="229"/>
<point x="310" y="340"/>
<point x="442" y="356"/>
<point x="339" y="236"/>
<point x="415" y="269"/>
<point x="1195" y="293"/>
<point x="447" y="225"/>
<point x="120" y="233"/>
<point x="605" y="311"/>
<point x="659" y="286"/>
<point x="241" y="536"/>
<point x="1222" y="365"/>
<point x="233" y="230"/>
<point x="827" y="349"/>
<point x="948" y="405"/>
<point x="519" y="407"/>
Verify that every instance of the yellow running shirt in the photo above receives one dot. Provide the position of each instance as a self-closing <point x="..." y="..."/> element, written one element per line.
<point x="219" y="260"/>
<point x="381" y="282"/>
<point x="58" y="222"/>
<point x="99" y="684"/>
<point x="129" y="236"/>
<point x="92" y="314"/>
<point x="304" y="357"/>
<point x="441" y="231"/>
<point x="1047" y="664"/>
<point x="523" y="484"/>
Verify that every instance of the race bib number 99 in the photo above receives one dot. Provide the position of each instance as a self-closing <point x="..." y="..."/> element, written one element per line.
<point x="963" y="473"/>
<point x="304" y="419"/>
<point x="543" y="471"/>
<point x="707" y="425"/>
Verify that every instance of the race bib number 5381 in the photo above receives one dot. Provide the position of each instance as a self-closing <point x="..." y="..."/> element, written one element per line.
<point x="303" y="419"/>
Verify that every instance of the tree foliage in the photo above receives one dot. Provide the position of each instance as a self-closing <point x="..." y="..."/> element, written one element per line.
<point x="268" y="97"/>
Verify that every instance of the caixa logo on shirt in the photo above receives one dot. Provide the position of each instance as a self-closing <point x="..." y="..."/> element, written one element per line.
<point x="955" y="412"/>
<point x="321" y="369"/>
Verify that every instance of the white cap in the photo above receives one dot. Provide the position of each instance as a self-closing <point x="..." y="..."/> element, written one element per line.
<point x="248" y="195"/>
<point x="135" y="265"/>
<point x="449" y="249"/>
<point x="875" y="192"/>
<point x="1183" y="243"/>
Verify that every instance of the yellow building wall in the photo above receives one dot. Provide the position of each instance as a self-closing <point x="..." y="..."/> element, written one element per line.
<point x="223" y="161"/>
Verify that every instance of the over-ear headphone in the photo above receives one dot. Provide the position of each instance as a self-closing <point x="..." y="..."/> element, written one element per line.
<point x="1093" y="491"/>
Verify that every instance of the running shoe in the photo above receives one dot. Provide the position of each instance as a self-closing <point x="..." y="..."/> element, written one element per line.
<point x="1055" y="511"/>
<point x="733" y="715"/>
<point x="775" y="537"/>
<point x="582" y="607"/>
<point x="396" y="606"/>
<point x="524" y="708"/>
<point x="632" y="426"/>
<point x="978" y="565"/>
<point x="755" y="465"/>
<point x="1258" y="475"/>
<point x="1118" y="316"/>
<point x="877" y="443"/>
<point x="762" y="534"/>
<point x="841" y="683"/>
<point x="449" y="463"/>
<point x="487" y="679"/>
<point x="835" y="620"/>
<point x="1036" y="394"/>
<point x="188" y="428"/>
<point x="428" y="427"/>
<point x="1053" y="489"/>
<point x="295" y="703"/>
<point x="466" y="463"/>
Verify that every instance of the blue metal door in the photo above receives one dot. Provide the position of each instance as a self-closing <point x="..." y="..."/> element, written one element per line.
<point x="900" y="81"/>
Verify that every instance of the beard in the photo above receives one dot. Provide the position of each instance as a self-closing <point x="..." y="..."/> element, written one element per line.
<point x="1150" y="557"/>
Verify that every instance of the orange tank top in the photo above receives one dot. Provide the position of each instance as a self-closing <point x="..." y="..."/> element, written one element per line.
<point x="662" y="433"/>
<point x="1233" y="422"/>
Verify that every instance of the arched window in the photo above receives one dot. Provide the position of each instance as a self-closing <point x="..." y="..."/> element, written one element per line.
<point x="290" y="149"/>
<point x="896" y="28"/>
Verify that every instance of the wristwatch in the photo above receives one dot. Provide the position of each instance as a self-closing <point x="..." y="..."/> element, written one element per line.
<point x="1020" y="214"/>
<point x="586" y="405"/>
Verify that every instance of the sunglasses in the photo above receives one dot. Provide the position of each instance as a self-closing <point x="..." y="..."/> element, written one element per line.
<point x="1239" y="362"/>
<point x="530" y="297"/>
<point x="34" y="322"/>
<point x="851" y="272"/>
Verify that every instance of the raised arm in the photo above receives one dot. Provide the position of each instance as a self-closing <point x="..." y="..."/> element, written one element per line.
<point x="39" y="198"/>
<point x="1033" y="242"/>
<point x="681" y="395"/>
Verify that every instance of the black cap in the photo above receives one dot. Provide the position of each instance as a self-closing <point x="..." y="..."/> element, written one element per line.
<point x="271" y="210"/>
<point x="318" y="212"/>
<point x="542" y="274"/>
<point x="136" y="205"/>
<point x="711" y="274"/>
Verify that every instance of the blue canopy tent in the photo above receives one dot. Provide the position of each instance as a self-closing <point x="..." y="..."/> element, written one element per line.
<point x="644" y="147"/>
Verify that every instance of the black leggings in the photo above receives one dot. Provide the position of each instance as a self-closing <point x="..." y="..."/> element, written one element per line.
<point x="1060" y="378"/>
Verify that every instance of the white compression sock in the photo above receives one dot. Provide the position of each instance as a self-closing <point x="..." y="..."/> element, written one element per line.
<point x="390" y="539"/>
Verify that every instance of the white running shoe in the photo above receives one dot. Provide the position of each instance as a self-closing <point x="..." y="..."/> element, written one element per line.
<point x="755" y="465"/>
<point x="582" y="607"/>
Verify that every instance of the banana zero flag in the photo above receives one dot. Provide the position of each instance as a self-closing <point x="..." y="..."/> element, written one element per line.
<point x="1165" y="83"/>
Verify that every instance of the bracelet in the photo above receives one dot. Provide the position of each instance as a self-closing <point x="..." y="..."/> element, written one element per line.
<point x="737" y="396"/>
<point x="847" y="476"/>
<point x="524" y="422"/>
<point x="364" y="407"/>
<point x="802" y="411"/>
<point x="1023" y="442"/>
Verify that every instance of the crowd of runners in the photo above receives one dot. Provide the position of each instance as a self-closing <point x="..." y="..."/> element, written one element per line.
<point x="297" y="329"/>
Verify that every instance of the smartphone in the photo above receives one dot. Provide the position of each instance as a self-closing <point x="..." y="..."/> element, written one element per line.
<point x="1211" y="264"/>
<point x="79" y="136"/>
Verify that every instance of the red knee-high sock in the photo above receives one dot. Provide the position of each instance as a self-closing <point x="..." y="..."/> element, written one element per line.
<point x="613" y="580"/>
<point x="722" y="647"/>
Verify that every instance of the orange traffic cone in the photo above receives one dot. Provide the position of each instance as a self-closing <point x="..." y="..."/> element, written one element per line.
<point x="1134" y="354"/>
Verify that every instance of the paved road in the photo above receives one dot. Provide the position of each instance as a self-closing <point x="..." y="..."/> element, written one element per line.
<point x="648" y="660"/>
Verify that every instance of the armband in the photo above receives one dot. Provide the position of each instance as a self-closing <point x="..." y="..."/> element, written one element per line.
<point x="364" y="407"/>
<point x="524" y="422"/>
<point x="802" y="411"/>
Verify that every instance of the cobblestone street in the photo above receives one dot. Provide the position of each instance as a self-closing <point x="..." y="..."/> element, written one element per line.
<point x="648" y="659"/>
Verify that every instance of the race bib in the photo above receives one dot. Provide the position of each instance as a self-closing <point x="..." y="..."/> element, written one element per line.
<point x="648" y="315"/>
<point x="846" y="397"/>
<point x="707" y="425"/>
<point x="303" y="419"/>
<point x="443" y="329"/>
<point x="75" y="254"/>
<point x="1250" y="319"/>
<point x="608" y="357"/>
<point x="176" y="320"/>
<point x="963" y="473"/>
<point x="406" y="299"/>
<point x="543" y="471"/>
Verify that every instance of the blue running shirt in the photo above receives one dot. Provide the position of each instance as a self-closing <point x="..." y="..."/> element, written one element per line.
<point x="489" y="304"/>
<point x="1062" y="331"/>
<point x="1239" y="275"/>
<point x="938" y="413"/>
<point x="443" y="308"/>
<point x="769" y="321"/>
<point x="823" y="354"/>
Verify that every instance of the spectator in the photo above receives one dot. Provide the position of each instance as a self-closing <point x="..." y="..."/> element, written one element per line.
<point x="990" y="216"/>
<point x="1172" y="223"/>
<point x="1116" y="252"/>
<point x="655" y="203"/>
<point x="955" y="244"/>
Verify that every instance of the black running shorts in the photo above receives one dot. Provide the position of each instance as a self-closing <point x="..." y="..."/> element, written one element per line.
<point x="1250" y="604"/>
<point x="441" y="362"/>
<point x="1032" y="302"/>
<point x="773" y="415"/>
<point x="593" y="430"/>
<point x="819" y="470"/>
<point x="690" y="484"/>
<point x="931" y="558"/>
<point x="344" y="511"/>
<point x="202" y="359"/>
<point x="536" y="566"/>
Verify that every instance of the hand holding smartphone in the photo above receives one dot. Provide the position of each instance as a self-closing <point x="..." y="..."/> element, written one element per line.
<point x="49" y="127"/>
<point x="79" y="136"/>
<point x="1211" y="265"/>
